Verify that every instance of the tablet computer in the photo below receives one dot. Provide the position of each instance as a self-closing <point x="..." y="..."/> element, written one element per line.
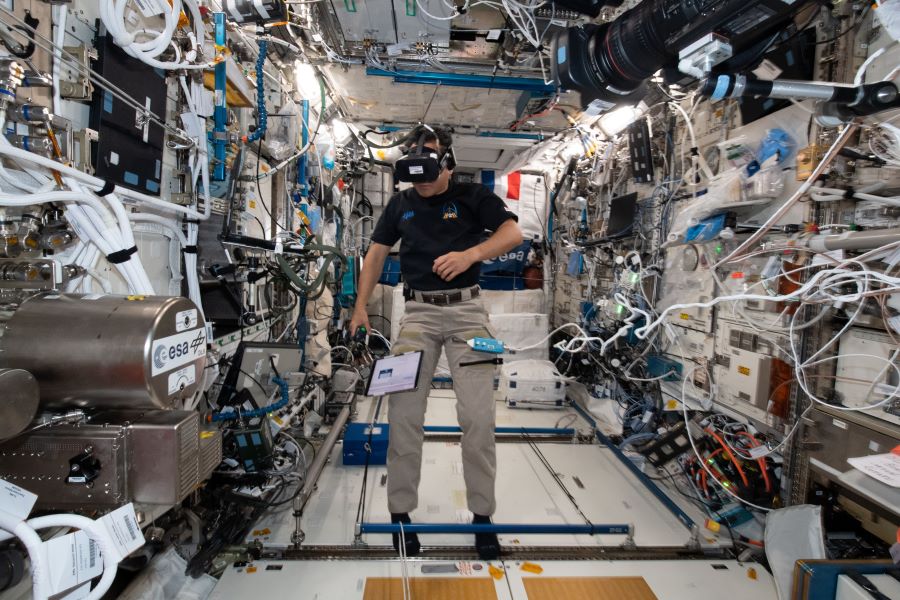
<point x="393" y="374"/>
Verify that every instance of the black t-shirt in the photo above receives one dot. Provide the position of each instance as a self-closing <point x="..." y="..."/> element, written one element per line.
<point x="431" y="227"/>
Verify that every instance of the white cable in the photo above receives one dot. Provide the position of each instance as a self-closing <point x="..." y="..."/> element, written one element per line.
<point x="34" y="545"/>
<point x="59" y="40"/>
<point x="581" y="332"/>
<point x="861" y="72"/>
<point x="25" y="531"/>
<point x="433" y="17"/>
<point x="112" y="13"/>
<point x="378" y="334"/>
<point x="832" y="152"/>
<point x="94" y="182"/>
<point x="164" y="222"/>
<point x="407" y="592"/>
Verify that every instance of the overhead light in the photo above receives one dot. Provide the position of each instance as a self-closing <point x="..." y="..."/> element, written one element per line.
<point x="305" y="80"/>
<point x="614" y="122"/>
<point x="340" y="131"/>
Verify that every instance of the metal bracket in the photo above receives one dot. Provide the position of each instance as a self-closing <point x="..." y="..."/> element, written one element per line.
<point x="699" y="58"/>
<point x="81" y="153"/>
<point x="81" y="88"/>
<point x="357" y="537"/>
<point x="694" y="542"/>
<point x="629" y="543"/>
<point x="298" y="537"/>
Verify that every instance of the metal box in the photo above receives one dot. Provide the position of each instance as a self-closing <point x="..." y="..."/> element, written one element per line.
<point x="152" y="458"/>
<point x="164" y="456"/>
<point x="210" y="454"/>
<point x="361" y="20"/>
<point x="39" y="462"/>
<point x="858" y="374"/>
<point x="414" y="25"/>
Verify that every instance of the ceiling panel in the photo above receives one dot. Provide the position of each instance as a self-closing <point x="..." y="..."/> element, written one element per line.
<point x="379" y="99"/>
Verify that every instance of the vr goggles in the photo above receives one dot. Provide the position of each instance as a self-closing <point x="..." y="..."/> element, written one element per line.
<point x="422" y="164"/>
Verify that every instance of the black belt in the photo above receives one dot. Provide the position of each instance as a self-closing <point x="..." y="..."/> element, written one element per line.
<point x="442" y="298"/>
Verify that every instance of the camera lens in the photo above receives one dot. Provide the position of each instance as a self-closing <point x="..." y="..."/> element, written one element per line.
<point x="609" y="63"/>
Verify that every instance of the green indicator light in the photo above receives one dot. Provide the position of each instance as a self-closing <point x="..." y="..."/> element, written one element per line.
<point x="719" y="248"/>
<point x="635" y="277"/>
<point x="620" y="310"/>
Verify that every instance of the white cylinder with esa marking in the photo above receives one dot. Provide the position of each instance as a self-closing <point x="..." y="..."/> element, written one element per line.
<point x="108" y="351"/>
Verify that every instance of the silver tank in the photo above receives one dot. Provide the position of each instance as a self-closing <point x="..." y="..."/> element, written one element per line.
<point x="18" y="403"/>
<point x="108" y="351"/>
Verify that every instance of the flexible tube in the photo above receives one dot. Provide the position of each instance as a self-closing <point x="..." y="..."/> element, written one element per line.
<point x="25" y="531"/>
<point x="262" y="115"/>
<point x="96" y="532"/>
<point x="257" y="412"/>
<point x="34" y="545"/>
<point x="95" y="182"/>
<point x="854" y="240"/>
<point x="59" y="40"/>
<point x="162" y="221"/>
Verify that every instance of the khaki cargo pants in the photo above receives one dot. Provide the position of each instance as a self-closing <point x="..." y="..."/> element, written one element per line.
<point x="428" y="327"/>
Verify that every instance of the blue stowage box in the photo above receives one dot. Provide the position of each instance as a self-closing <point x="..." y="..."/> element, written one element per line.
<point x="355" y="438"/>
<point x="390" y="275"/>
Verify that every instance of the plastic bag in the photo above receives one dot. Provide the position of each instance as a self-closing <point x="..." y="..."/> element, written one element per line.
<point x="776" y="143"/>
<point x="767" y="183"/>
<point x="888" y="14"/>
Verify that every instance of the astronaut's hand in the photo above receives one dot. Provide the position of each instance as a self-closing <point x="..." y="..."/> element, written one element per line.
<point x="452" y="264"/>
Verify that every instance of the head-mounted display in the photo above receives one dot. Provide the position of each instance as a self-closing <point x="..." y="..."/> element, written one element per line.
<point x="422" y="164"/>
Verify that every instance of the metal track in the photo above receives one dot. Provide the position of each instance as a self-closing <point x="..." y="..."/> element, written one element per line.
<point x="509" y="553"/>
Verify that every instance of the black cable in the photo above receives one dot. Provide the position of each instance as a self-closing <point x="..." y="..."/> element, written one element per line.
<point x="228" y="361"/>
<point x="371" y="144"/>
<point x="555" y="476"/>
<point x="274" y="368"/>
<point x="262" y="203"/>
<point x="308" y="443"/>
<point x="858" y="22"/>
<point x="360" y="508"/>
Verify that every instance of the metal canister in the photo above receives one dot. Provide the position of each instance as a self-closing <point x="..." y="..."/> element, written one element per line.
<point x="18" y="403"/>
<point x="108" y="351"/>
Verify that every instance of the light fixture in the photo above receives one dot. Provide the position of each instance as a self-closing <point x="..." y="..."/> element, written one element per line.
<point x="340" y="131"/>
<point x="305" y="80"/>
<point x="614" y="122"/>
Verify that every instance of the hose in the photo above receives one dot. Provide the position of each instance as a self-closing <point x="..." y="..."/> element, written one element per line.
<point x="263" y="116"/>
<point x="257" y="412"/>
<point x="317" y="287"/>
<point x="25" y="531"/>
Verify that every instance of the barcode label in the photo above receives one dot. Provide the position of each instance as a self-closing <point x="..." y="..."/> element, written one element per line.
<point x="72" y="560"/>
<point x="132" y="529"/>
<point x="124" y="531"/>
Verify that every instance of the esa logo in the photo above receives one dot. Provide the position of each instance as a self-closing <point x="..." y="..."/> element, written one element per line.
<point x="164" y="353"/>
<point x="179" y="350"/>
<point x="515" y="255"/>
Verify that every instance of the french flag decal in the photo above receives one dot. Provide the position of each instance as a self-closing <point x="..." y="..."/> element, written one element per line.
<point x="508" y="187"/>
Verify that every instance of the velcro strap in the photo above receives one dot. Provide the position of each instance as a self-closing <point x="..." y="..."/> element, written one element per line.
<point x="107" y="189"/>
<point x="190" y="250"/>
<point x="121" y="256"/>
<point x="848" y="193"/>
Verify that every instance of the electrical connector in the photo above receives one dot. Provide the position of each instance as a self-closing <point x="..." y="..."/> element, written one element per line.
<point x="489" y="345"/>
